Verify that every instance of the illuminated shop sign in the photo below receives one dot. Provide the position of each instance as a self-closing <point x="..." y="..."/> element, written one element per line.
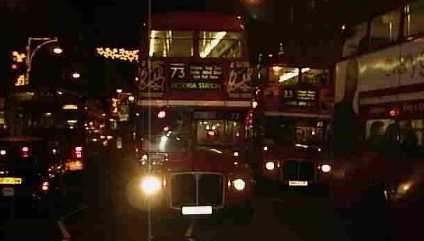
<point x="195" y="77"/>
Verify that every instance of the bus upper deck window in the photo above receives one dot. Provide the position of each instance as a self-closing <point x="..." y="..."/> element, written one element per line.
<point x="385" y="29"/>
<point x="171" y="44"/>
<point x="220" y="44"/>
<point x="356" y="41"/>
<point x="414" y="18"/>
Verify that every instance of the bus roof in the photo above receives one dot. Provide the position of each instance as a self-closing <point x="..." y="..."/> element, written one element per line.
<point x="208" y="21"/>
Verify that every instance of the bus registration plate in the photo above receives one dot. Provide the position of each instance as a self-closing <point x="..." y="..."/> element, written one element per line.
<point x="197" y="210"/>
<point x="298" y="183"/>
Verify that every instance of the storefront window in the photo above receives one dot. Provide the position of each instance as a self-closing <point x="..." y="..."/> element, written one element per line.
<point x="385" y="29"/>
<point x="414" y="18"/>
<point x="220" y="44"/>
<point x="171" y="44"/>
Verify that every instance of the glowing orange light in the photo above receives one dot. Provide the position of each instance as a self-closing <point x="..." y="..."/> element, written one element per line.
<point x="74" y="165"/>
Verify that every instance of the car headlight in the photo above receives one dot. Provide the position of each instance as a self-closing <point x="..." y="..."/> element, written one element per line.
<point x="270" y="165"/>
<point x="326" y="168"/>
<point x="150" y="185"/>
<point x="239" y="184"/>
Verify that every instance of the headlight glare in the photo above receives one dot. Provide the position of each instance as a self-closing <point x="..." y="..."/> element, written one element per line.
<point x="150" y="185"/>
<point x="326" y="168"/>
<point x="270" y="165"/>
<point x="239" y="184"/>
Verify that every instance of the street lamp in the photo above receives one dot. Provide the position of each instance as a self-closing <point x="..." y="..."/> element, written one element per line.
<point x="76" y="75"/>
<point x="32" y="52"/>
<point x="57" y="50"/>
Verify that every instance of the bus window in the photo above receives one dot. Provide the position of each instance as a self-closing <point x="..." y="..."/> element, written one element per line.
<point x="219" y="132"/>
<point x="171" y="44"/>
<point x="220" y="44"/>
<point x="382" y="135"/>
<point x="411" y="136"/>
<point x="385" y="29"/>
<point x="286" y="75"/>
<point x="315" y="76"/>
<point x="388" y="136"/>
<point x="357" y="41"/>
<point x="414" y="18"/>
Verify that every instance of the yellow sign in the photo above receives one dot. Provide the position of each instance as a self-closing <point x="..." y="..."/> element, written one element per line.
<point x="10" y="180"/>
<point x="20" y="81"/>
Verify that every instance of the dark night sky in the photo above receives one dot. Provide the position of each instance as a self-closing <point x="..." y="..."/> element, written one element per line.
<point x="114" y="23"/>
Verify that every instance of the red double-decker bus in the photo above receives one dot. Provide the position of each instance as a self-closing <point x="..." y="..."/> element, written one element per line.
<point x="293" y="116"/>
<point x="194" y="118"/>
<point x="378" y="131"/>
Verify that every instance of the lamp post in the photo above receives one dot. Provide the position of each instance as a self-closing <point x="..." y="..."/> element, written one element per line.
<point x="149" y="165"/>
<point x="31" y="52"/>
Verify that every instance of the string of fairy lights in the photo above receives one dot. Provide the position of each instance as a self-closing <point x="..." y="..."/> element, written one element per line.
<point x="118" y="54"/>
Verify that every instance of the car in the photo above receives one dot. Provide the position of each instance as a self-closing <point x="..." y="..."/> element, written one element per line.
<point x="24" y="184"/>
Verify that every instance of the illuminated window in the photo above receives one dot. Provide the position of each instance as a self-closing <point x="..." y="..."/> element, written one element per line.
<point x="171" y="44"/>
<point x="218" y="132"/>
<point x="220" y="44"/>
<point x="388" y="135"/>
<point x="315" y="76"/>
<point x="285" y="75"/>
<point x="357" y="40"/>
<point x="385" y="29"/>
<point x="414" y="18"/>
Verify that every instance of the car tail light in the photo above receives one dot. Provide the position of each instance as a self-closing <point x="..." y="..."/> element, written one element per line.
<point x="78" y="152"/>
<point x="25" y="151"/>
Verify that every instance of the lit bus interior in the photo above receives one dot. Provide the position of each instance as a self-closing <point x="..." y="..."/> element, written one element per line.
<point x="291" y="76"/>
<point x="406" y="134"/>
<point x="218" y="132"/>
<point x="289" y="131"/>
<point x="211" y="44"/>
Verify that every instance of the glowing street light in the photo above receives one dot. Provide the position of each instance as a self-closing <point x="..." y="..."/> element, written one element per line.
<point x="76" y="75"/>
<point x="57" y="50"/>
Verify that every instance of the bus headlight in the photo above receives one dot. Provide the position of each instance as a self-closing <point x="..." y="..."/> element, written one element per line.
<point x="270" y="165"/>
<point x="325" y="168"/>
<point x="150" y="185"/>
<point x="239" y="184"/>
